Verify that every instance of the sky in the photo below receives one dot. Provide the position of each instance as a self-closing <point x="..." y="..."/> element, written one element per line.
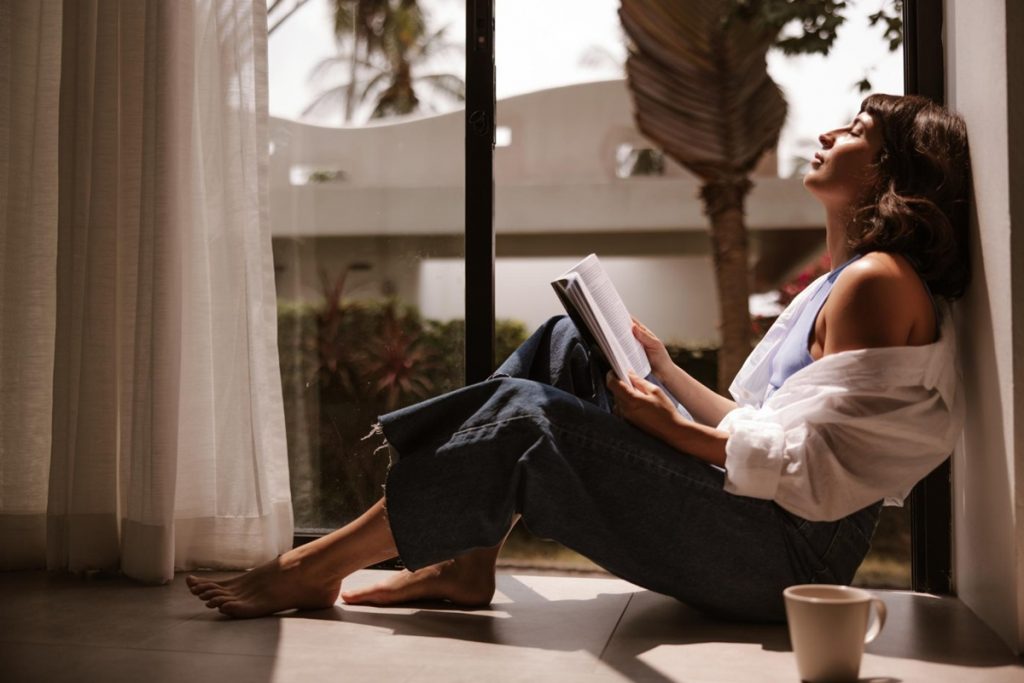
<point x="541" y="44"/>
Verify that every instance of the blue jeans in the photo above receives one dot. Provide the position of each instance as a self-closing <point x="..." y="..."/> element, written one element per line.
<point x="539" y="439"/>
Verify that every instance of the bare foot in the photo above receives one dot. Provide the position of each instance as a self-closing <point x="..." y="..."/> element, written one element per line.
<point x="286" y="582"/>
<point x="463" y="581"/>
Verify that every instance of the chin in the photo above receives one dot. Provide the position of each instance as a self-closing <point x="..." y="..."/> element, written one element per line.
<point x="813" y="185"/>
<point x="810" y="181"/>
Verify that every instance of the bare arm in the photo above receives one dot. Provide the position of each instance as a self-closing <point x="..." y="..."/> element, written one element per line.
<point x="647" y="407"/>
<point x="706" y="406"/>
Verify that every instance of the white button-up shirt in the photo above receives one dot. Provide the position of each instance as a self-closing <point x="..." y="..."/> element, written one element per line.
<point x="845" y="431"/>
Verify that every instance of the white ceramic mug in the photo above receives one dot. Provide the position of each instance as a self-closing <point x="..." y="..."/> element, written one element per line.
<point x="828" y="626"/>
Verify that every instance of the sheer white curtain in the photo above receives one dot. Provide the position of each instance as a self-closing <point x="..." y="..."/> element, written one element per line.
<point x="30" y="39"/>
<point x="168" y="447"/>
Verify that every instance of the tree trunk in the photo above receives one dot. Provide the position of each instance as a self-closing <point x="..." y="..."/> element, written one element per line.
<point x="723" y="203"/>
<point x="350" y="93"/>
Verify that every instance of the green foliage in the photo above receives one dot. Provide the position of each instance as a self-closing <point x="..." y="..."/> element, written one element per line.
<point x="817" y="23"/>
<point x="508" y="336"/>
<point x="892" y="20"/>
<point x="345" y="363"/>
<point x="386" y="44"/>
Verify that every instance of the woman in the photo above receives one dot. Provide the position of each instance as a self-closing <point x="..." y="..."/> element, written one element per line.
<point x="850" y="399"/>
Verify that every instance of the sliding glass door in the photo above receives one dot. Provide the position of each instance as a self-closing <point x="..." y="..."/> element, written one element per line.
<point x="367" y="159"/>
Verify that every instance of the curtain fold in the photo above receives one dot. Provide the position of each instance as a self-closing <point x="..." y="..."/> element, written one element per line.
<point x="30" y="48"/>
<point x="168" y="446"/>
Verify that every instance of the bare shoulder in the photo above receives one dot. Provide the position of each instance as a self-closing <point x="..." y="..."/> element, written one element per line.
<point x="877" y="301"/>
<point x="875" y="278"/>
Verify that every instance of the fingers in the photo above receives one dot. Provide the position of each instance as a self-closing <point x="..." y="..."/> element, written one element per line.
<point x="642" y="384"/>
<point x="632" y="387"/>
<point x="641" y="327"/>
<point x="646" y="338"/>
<point x="615" y="385"/>
<point x="618" y="390"/>
<point x="623" y="392"/>
<point x="643" y="387"/>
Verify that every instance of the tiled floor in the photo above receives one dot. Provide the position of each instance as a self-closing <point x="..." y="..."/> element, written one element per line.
<point x="539" y="628"/>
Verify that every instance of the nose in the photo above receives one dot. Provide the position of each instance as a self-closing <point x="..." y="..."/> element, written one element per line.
<point x="826" y="140"/>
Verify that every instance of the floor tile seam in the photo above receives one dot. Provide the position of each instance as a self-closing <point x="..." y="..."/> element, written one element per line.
<point x="106" y="646"/>
<point x="615" y="628"/>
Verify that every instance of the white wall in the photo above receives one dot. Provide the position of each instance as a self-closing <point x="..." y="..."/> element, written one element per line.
<point x="406" y="177"/>
<point x="988" y="467"/>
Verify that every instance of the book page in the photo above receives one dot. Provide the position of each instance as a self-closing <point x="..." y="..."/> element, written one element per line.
<point x="618" y="323"/>
<point x="595" y="320"/>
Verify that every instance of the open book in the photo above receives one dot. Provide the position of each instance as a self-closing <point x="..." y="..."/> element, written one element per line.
<point x="593" y="303"/>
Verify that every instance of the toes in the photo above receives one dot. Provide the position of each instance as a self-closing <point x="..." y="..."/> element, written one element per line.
<point x="201" y="588"/>
<point x="360" y="596"/>
<point x="234" y="609"/>
<point x="212" y="593"/>
<point x="219" y="601"/>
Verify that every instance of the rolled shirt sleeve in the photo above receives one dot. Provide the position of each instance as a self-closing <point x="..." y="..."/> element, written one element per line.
<point x="822" y="451"/>
<point x="754" y="453"/>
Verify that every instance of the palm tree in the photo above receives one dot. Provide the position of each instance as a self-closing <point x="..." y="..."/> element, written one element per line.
<point x="388" y="40"/>
<point x="393" y="85"/>
<point x="701" y="91"/>
<point x="406" y="49"/>
<point x="363" y="20"/>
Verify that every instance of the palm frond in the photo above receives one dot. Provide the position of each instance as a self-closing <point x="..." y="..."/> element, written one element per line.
<point x="373" y="84"/>
<point x="332" y="96"/>
<point x="448" y="84"/>
<point x="700" y="84"/>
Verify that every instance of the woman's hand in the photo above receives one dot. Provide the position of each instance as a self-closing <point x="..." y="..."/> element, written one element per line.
<point x="644" y="405"/>
<point x="655" y="349"/>
<point x="647" y="407"/>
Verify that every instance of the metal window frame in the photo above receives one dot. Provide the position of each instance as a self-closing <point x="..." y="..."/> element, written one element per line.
<point x="931" y="518"/>
<point x="479" y="231"/>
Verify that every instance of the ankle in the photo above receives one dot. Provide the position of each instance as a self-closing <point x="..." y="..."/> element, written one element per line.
<point x="479" y="563"/>
<point x="310" y="563"/>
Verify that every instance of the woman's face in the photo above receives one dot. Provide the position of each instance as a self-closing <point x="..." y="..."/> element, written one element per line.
<point x="844" y="171"/>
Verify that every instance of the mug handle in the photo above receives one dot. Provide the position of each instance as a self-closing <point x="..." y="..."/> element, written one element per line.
<point x="876" y="627"/>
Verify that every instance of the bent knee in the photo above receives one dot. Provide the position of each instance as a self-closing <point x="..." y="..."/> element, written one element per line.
<point x="563" y="330"/>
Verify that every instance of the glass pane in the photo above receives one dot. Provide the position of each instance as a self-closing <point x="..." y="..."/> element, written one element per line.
<point x="367" y="196"/>
<point x="574" y="175"/>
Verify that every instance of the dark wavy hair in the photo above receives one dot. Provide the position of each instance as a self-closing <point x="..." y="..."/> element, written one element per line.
<point x="920" y="207"/>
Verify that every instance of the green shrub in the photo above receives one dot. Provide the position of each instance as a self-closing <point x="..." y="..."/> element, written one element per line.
<point x="342" y="365"/>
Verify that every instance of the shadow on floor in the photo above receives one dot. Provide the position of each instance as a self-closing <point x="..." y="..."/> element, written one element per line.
<point x="923" y="628"/>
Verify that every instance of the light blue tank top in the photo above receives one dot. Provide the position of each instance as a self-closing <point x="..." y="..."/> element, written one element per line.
<point x="793" y="354"/>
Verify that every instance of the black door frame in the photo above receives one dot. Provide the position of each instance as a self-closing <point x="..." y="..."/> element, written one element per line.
<point x="931" y="517"/>
<point x="480" y="138"/>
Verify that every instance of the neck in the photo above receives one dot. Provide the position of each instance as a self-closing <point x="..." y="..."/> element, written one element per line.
<point x="837" y="222"/>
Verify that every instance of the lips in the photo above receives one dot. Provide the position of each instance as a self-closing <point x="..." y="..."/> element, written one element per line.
<point x="817" y="157"/>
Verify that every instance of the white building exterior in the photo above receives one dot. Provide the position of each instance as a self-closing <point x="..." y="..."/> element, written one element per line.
<point x="397" y="205"/>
